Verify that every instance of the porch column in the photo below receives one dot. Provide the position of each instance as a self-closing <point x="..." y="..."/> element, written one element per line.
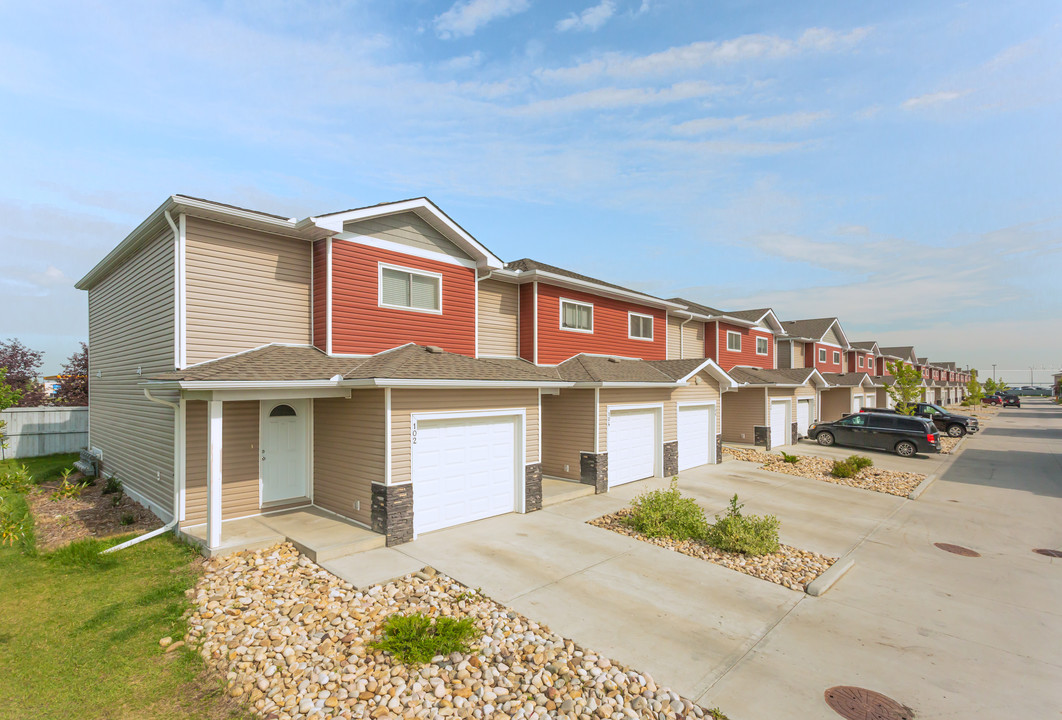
<point x="214" y="435"/>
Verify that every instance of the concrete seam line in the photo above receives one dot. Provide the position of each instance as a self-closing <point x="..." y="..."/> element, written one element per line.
<point x="924" y="485"/>
<point x="828" y="579"/>
<point x="581" y="570"/>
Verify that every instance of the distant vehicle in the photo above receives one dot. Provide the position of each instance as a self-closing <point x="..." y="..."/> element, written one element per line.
<point x="953" y="424"/>
<point x="1011" y="401"/>
<point x="904" y="435"/>
<point x="991" y="400"/>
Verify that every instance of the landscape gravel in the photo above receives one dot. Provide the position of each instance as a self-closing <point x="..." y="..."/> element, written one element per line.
<point x="293" y="641"/>
<point x="790" y="567"/>
<point x="892" y="482"/>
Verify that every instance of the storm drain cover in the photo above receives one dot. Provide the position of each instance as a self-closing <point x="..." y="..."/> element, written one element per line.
<point x="856" y="703"/>
<point x="1048" y="552"/>
<point x="958" y="549"/>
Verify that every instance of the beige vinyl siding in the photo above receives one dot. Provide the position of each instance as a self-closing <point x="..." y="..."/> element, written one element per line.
<point x="131" y="326"/>
<point x="406" y="228"/>
<point x="742" y="410"/>
<point x="702" y="388"/>
<point x="240" y="488"/>
<point x="806" y="392"/>
<point x="348" y="452"/>
<point x="835" y="403"/>
<point x="616" y="398"/>
<point x="406" y="402"/>
<point x="693" y="340"/>
<point x="244" y="289"/>
<point x="798" y="355"/>
<point x="673" y="335"/>
<point x="499" y="313"/>
<point x="831" y="336"/>
<point x="567" y="431"/>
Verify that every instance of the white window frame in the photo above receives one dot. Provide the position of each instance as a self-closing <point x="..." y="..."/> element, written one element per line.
<point x="860" y="359"/>
<point x="652" y="326"/>
<point x="412" y="271"/>
<point x="822" y="355"/>
<point x="767" y="344"/>
<point x="560" y="319"/>
<point x="836" y="357"/>
<point x="738" y="335"/>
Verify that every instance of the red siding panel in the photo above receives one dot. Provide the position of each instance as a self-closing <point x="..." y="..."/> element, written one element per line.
<point x="527" y="322"/>
<point x="360" y="325"/>
<point x="747" y="355"/>
<point x="611" y="328"/>
<point x="829" y="365"/>
<point x="868" y="363"/>
<point x="320" y="294"/>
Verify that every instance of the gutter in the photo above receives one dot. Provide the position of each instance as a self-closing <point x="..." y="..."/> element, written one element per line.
<point x="176" y="497"/>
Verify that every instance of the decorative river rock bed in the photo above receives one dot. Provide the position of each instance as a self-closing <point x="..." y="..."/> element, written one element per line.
<point x="790" y="567"/>
<point x="818" y="468"/>
<point x="293" y="641"/>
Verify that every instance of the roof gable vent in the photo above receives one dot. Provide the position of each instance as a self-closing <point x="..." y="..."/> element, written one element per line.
<point x="434" y="349"/>
<point x="614" y="360"/>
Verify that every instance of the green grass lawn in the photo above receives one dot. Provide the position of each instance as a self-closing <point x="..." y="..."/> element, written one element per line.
<point x="79" y="632"/>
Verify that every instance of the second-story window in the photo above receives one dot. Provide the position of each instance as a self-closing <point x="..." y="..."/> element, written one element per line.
<point x="576" y="316"/>
<point x="640" y="327"/>
<point x="410" y="289"/>
<point x="836" y="357"/>
<point x="733" y="341"/>
<point x="860" y="362"/>
<point x="762" y="346"/>
<point x="822" y="355"/>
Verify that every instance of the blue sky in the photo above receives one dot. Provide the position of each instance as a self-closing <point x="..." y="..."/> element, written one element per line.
<point x="897" y="164"/>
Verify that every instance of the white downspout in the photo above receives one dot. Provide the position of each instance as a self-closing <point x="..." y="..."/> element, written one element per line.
<point x="682" y="349"/>
<point x="176" y="512"/>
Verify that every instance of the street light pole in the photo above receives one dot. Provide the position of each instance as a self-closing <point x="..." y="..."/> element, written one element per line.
<point x="993" y="372"/>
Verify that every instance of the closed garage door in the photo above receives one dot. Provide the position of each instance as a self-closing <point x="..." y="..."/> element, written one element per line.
<point x="463" y="470"/>
<point x="779" y="423"/>
<point x="803" y="417"/>
<point x="632" y="444"/>
<point x="869" y="401"/>
<point x="857" y="403"/>
<point x="696" y="435"/>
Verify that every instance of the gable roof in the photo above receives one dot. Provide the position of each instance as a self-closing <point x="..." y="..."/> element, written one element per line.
<point x="558" y="275"/>
<point x="813" y="329"/>
<point x="738" y="317"/>
<point x="867" y="345"/>
<point x="903" y="352"/>
<point x="850" y="379"/>
<point x="780" y="377"/>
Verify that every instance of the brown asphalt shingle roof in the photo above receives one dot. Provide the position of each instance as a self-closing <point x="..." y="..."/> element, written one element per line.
<point x="844" y="379"/>
<point x="781" y="376"/>
<point x="900" y="352"/>
<point x="749" y="315"/>
<point x="594" y="368"/>
<point x="814" y="328"/>
<point x="527" y="265"/>
<point x="868" y="345"/>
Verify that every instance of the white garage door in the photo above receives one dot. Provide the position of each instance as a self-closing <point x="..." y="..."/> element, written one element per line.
<point x="696" y="435"/>
<point x="803" y="417"/>
<point x="632" y="444"/>
<point x="857" y="403"/>
<point x="463" y="470"/>
<point x="869" y="401"/>
<point x="779" y="423"/>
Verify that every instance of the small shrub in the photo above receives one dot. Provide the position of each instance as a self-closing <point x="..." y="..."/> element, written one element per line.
<point x="68" y="489"/>
<point x="665" y="513"/>
<point x="127" y="519"/>
<point x="14" y="525"/>
<point x="416" y="638"/>
<point x="843" y="469"/>
<point x="117" y="500"/>
<point x="860" y="462"/>
<point x="16" y="479"/>
<point x="791" y="459"/>
<point x="114" y="485"/>
<point x="748" y="534"/>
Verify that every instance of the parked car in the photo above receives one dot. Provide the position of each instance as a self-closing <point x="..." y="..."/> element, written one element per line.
<point x="1011" y="401"/>
<point x="991" y="400"/>
<point x="904" y="435"/>
<point x="953" y="424"/>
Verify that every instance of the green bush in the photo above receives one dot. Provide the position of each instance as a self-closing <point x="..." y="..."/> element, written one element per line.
<point x="791" y="459"/>
<point x="68" y="489"/>
<point x="114" y="485"/>
<point x="843" y="469"/>
<point x="15" y="522"/>
<point x="16" y="479"/>
<point x="416" y="638"/>
<point x="128" y="519"/>
<point x="665" y="513"/>
<point x="860" y="462"/>
<point x="748" y="534"/>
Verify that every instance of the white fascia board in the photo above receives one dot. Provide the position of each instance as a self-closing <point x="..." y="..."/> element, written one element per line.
<point x="840" y="331"/>
<point x="245" y="384"/>
<point x="125" y="247"/>
<point x="819" y="379"/>
<point x="596" y="289"/>
<point x="715" y="371"/>
<point x="469" y="384"/>
<point x="428" y="211"/>
<point x="619" y="384"/>
<point x="774" y="322"/>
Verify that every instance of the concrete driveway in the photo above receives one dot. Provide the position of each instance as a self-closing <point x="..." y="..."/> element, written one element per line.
<point x="947" y="635"/>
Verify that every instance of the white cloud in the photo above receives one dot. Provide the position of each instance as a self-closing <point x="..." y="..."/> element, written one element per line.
<point x="789" y="121"/>
<point x="932" y="99"/>
<point x="463" y="62"/>
<point x="590" y="19"/>
<point x="685" y="58"/>
<point x="465" y="17"/>
<point x="611" y="98"/>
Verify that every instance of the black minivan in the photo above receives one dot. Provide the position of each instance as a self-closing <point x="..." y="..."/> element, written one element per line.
<point x="901" y="434"/>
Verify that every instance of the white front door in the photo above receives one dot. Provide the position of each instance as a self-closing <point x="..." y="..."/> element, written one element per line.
<point x="632" y="445"/>
<point x="857" y="403"/>
<point x="696" y="435"/>
<point x="869" y="401"/>
<point x="464" y="469"/>
<point x="283" y="449"/>
<point x="779" y="423"/>
<point x="803" y="417"/>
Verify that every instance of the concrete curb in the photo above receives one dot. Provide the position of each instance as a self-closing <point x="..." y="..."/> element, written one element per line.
<point x="824" y="582"/>
<point x="924" y="485"/>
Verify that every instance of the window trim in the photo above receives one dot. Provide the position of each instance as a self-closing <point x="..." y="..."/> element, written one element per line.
<point x="560" y="313"/>
<point x="652" y="326"/>
<point x="728" y="334"/>
<point x="767" y="342"/>
<point x="836" y="357"/>
<point x="412" y="271"/>
<point x="822" y="355"/>
<point x="859" y="358"/>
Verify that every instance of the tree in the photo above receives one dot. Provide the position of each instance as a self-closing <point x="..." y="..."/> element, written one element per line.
<point x="907" y="388"/>
<point x="991" y="386"/>
<point x="73" y="382"/>
<point x="974" y="392"/>
<point x="8" y="397"/>
<point x="23" y="368"/>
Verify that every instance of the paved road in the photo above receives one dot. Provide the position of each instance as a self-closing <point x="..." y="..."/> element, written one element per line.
<point x="949" y="636"/>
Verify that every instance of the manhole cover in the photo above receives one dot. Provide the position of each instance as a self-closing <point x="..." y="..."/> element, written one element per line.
<point x="958" y="549"/>
<point x="856" y="703"/>
<point x="1048" y="552"/>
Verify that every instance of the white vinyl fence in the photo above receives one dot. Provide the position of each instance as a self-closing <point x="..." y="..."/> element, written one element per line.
<point x="32" y="432"/>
